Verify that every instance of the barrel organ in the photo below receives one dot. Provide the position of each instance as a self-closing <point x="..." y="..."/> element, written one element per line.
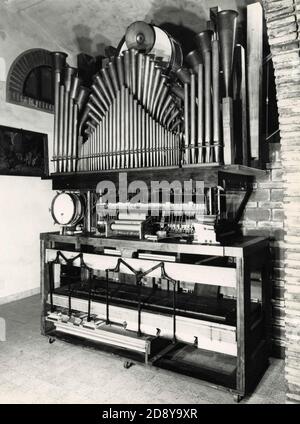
<point x="151" y="285"/>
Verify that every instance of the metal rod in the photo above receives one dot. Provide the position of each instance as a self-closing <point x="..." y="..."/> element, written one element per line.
<point x="118" y="134"/>
<point x="120" y="70"/>
<point x="143" y="139"/>
<point x="207" y="97"/>
<point x="159" y="94"/>
<point x="146" y="82"/>
<point x="59" y="63"/>
<point x="174" y="312"/>
<point x="193" y="115"/>
<point x="110" y="135"/>
<point x="133" y="55"/>
<point x="139" y="136"/>
<point x="162" y="102"/>
<point x="107" y="298"/>
<point x="61" y="126"/>
<point x="200" y="113"/>
<point x="113" y="75"/>
<point x="135" y="133"/>
<point x="108" y="83"/>
<point x="57" y="79"/>
<point x="126" y="55"/>
<point x="74" y="153"/>
<point x="126" y="108"/>
<point x="130" y="139"/>
<point x="104" y="96"/>
<point x="140" y="71"/>
<point x="122" y="134"/>
<point x="216" y="99"/>
<point x="150" y="83"/>
<point x="186" y="122"/>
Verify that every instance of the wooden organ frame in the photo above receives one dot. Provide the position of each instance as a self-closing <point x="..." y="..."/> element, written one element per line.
<point x="244" y="344"/>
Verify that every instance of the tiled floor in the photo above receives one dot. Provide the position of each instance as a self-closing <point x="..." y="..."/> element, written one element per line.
<point x="33" y="371"/>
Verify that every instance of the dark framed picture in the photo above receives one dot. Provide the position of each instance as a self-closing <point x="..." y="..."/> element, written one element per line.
<point x="23" y="152"/>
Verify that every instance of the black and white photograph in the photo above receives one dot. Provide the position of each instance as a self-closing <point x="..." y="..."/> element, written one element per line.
<point x="150" y="185"/>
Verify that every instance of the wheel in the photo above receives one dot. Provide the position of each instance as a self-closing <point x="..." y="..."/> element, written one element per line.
<point x="51" y="340"/>
<point x="237" y="398"/>
<point x="127" y="364"/>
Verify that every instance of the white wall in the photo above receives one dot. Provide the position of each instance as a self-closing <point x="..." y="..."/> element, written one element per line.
<point x="24" y="200"/>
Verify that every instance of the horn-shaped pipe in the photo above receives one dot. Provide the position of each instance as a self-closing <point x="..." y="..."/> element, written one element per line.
<point x="178" y="91"/>
<point x="106" y="99"/>
<point x="203" y="40"/>
<point x="193" y="59"/>
<point x="183" y="75"/>
<point x="120" y="70"/>
<point x="82" y="97"/>
<point x="113" y="75"/>
<point x="227" y="21"/>
<point x="108" y="83"/>
<point x="160" y="95"/>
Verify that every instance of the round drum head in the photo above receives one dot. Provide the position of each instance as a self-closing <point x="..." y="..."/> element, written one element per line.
<point x="140" y="36"/>
<point x="63" y="208"/>
<point x="163" y="45"/>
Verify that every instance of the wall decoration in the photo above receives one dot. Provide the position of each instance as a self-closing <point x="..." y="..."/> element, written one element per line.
<point x="23" y="152"/>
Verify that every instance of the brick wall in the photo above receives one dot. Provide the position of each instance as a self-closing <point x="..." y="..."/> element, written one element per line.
<point x="264" y="216"/>
<point x="282" y="18"/>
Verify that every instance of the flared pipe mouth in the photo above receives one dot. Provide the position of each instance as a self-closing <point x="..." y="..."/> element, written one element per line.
<point x="228" y="12"/>
<point x="59" y="60"/>
<point x="193" y="59"/>
<point x="203" y="40"/>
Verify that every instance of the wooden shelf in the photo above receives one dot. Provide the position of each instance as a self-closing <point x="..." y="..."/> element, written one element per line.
<point x="88" y="180"/>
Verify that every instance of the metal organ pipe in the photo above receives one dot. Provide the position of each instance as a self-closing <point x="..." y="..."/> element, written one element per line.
<point x="59" y="63"/>
<point x="203" y="40"/>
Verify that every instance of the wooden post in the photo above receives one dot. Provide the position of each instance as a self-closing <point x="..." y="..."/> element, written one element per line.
<point x="227" y="114"/>
<point x="45" y="326"/>
<point x="266" y="297"/>
<point x="240" y="103"/>
<point x="243" y="296"/>
<point x="254" y="66"/>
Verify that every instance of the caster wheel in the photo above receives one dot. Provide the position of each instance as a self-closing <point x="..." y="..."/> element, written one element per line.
<point x="51" y="340"/>
<point x="127" y="364"/>
<point x="237" y="398"/>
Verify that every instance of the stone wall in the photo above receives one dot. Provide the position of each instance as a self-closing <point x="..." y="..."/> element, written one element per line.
<point x="282" y="18"/>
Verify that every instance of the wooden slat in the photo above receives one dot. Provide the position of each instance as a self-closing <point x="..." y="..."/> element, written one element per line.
<point x="200" y="172"/>
<point x="243" y="324"/>
<point x="254" y="62"/>
<point x="213" y="336"/>
<point x="241" y="103"/>
<point x="202" y="274"/>
<point x="227" y="115"/>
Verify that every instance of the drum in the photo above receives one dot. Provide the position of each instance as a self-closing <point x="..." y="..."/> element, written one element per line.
<point x="153" y="40"/>
<point x="67" y="209"/>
